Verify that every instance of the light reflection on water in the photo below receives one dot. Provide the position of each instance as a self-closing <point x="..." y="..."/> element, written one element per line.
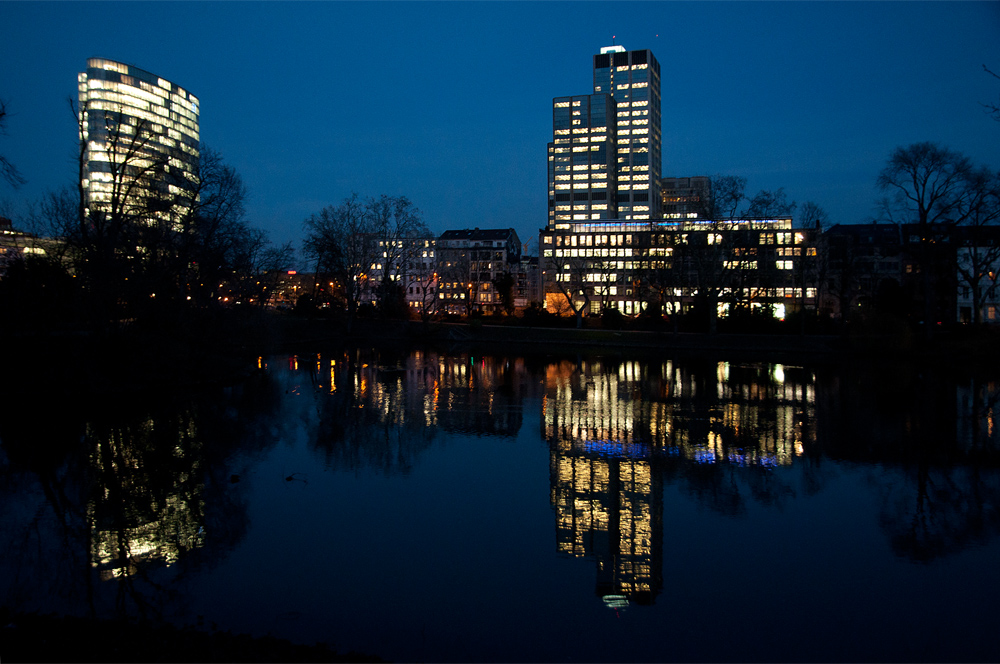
<point x="389" y="501"/>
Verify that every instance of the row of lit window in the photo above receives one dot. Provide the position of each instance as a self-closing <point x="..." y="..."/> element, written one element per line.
<point x="597" y="252"/>
<point x="182" y="100"/>
<point x="153" y="118"/>
<point x="582" y="185"/>
<point x="99" y="89"/>
<point x="612" y="240"/>
<point x="110" y="65"/>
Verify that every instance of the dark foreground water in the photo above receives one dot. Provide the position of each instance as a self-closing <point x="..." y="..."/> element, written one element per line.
<point x="428" y="506"/>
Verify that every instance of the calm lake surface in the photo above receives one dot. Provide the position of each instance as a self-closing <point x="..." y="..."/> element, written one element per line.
<point x="462" y="507"/>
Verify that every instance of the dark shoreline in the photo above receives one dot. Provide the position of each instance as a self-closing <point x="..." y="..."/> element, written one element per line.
<point x="184" y="360"/>
<point x="979" y="349"/>
<point x="49" y="638"/>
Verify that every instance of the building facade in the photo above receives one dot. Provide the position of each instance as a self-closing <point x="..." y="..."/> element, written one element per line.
<point x="419" y="276"/>
<point x="528" y="288"/>
<point x="469" y="264"/>
<point x="16" y="245"/>
<point x="583" y="159"/>
<point x="590" y="267"/>
<point x="633" y="79"/>
<point x="139" y="141"/>
<point x="606" y="151"/>
<point x="685" y="198"/>
<point x="407" y="263"/>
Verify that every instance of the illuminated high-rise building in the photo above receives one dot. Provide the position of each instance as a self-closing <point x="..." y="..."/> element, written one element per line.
<point x="140" y="139"/>
<point x="605" y="155"/>
<point x="633" y="79"/>
<point x="582" y="158"/>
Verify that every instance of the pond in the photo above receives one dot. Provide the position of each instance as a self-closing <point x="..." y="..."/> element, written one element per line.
<point x="425" y="505"/>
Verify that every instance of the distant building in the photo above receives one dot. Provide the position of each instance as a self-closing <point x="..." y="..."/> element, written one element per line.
<point x="419" y="275"/>
<point x="865" y="266"/>
<point x="137" y="128"/>
<point x="409" y="263"/>
<point x="469" y="262"/>
<point x="685" y="198"/>
<point x="951" y="273"/>
<point x="528" y="287"/>
<point x="977" y="265"/>
<point x="16" y="244"/>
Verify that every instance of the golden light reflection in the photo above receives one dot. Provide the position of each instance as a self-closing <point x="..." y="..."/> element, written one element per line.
<point x="607" y="442"/>
<point x="145" y="511"/>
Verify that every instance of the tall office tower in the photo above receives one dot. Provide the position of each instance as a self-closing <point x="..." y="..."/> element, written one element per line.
<point x="582" y="158"/>
<point x="633" y="78"/>
<point x="140" y="135"/>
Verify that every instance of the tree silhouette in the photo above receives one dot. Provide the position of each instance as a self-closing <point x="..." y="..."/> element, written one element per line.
<point x="8" y="171"/>
<point x="992" y="108"/>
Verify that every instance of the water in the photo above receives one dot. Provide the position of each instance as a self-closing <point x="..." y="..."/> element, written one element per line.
<point x="448" y="507"/>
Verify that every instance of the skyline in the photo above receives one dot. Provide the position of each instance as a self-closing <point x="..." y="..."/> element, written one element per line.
<point x="450" y="104"/>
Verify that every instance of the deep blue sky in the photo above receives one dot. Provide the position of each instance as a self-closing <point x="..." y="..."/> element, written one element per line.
<point x="450" y="103"/>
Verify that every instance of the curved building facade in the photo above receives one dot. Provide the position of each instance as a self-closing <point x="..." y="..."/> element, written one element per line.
<point x="140" y="141"/>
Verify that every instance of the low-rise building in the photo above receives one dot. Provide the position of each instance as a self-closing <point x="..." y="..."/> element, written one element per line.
<point x="469" y="262"/>
<point x="16" y="244"/>
<point x="590" y="267"/>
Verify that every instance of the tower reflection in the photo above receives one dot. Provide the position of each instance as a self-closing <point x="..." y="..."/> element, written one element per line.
<point x="617" y="429"/>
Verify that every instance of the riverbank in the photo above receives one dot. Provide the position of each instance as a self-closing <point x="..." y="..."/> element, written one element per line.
<point x="223" y="350"/>
<point x="961" y="347"/>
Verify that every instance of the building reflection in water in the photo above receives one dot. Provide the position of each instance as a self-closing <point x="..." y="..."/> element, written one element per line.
<point x="614" y="429"/>
<point x="461" y="392"/>
<point x="148" y="504"/>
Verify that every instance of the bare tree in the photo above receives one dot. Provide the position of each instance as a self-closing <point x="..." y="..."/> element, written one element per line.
<point x="504" y="286"/>
<point x="257" y="266"/>
<point x="809" y="269"/>
<point x="767" y="203"/>
<point x="214" y="232"/>
<point x="811" y="215"/>
<point x="123" y="238"/>
<point x="723" y="198"/>
<point x="8" y="171"/>
<point x="925" y="184"/>
<point x="667" y="274"/>
<point x="396" y="223"/>
<point x="924" y="180"/>
<point x="570" y="280"/>
<point x="992" y="108"/>
<point x="340" y="242"/>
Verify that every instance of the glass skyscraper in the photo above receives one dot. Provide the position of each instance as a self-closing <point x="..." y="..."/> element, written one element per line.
<point x="140" y="141"/>
<point x="605" y="155"/>
<point x="582" y="156"/>
<point x="633" y="79"/>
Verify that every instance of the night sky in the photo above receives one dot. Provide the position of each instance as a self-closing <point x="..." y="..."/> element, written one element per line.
<point x="450" y="103"/>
